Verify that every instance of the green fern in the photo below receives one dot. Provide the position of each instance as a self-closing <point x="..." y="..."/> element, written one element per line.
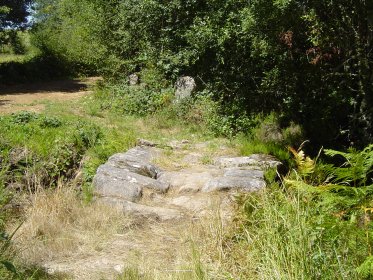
<point x="356" y="169"/>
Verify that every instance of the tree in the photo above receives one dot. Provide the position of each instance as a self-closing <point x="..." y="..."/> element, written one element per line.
<point x="13" y="13"/>
<point x="13" y="17"/>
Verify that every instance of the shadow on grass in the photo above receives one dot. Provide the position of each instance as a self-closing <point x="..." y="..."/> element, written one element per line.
<point x="39" y="74"/>
<point x="64" y="86"/>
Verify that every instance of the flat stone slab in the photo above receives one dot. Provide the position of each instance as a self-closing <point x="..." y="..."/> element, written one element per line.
<point x="228" y="183"/>
<point x="258" y="160"/>
<point x="244" y="173"/>
<point x="136" y="160"/>
<point x="187" y="180"/>
<point x="151" y="212"/>
<point x="192" y="203"/>
<point x="107" y="185"/>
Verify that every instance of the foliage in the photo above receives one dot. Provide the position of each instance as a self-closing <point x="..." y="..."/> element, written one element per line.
<point x="310" y="62"/>
<point x="13" y="17"/>
<point x="13" y="13"/>
<point x="32" y="68"/>
<point x="357" y="168"/>
<point x="38" y="150"/>
<point x="307" y="227"/>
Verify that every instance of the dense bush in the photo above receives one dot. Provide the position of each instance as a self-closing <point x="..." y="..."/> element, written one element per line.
<point x="311" y="62"/>
<point x="31" y="69"/>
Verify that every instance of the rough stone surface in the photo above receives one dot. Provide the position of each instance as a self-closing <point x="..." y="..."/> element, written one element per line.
<point x="151" y="212"/>
<point x="187" y="180"/>
<point x="247" y="173"/>
<point x="185" y="86"/>
<point x="161" y="205"/>
<point x="133" y="79"/>
<point x="126" y="176"/>
<point x="258" y="160"/>
<point x="108" y="185"/>
<point x="193" y="203"/>
<point x="136" y="160"/>
<point x="227" y="183"/>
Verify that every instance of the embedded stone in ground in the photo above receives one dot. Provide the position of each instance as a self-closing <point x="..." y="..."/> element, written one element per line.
<point x="151" y="212"/>
<point x="126" y="176"/>
<point x="106" y="184"/>
<point x="248" y="173"/>
<point x="228" y="183"/>
<point x="259" y="160"/>
<point x="136" y="160"/>
<point x="188" y="180"/>
<point x="193" y="203"/>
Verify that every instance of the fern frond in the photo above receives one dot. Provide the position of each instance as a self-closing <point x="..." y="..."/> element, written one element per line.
<point x="355" y="170"/>
<point x="305" y="165"/>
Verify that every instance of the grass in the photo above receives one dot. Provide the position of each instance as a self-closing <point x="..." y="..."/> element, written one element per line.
<point x="12" y="57"/>
<point x="59" y="223"/>
<point x="63" y="146"/>
<point x="283" y="232"/>
<point x="284" y="237"/>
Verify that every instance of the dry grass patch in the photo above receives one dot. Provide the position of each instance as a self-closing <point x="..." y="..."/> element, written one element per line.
<point x="58" y="224"/>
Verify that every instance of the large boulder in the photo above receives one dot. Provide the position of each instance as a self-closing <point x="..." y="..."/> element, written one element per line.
<point x="185" y="86"/>
<point x="107" y="185"/>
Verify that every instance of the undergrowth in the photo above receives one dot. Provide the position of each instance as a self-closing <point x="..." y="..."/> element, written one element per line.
<point x="314" y="224"/>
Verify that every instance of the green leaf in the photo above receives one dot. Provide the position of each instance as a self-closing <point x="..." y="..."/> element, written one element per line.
<point x="9" y="266"/>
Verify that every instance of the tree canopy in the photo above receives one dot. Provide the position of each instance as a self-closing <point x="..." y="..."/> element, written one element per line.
<point x="13" y="13"/>
<point x="311" y="62"/>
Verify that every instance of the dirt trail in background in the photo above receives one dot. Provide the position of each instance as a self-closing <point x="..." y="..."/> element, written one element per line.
<point x="30" y="97"/>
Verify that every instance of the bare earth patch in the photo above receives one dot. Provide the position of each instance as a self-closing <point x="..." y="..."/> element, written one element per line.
<point x="29" y="97"/>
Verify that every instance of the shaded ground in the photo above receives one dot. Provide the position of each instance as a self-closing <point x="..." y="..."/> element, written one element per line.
<point x="31" y="96"/>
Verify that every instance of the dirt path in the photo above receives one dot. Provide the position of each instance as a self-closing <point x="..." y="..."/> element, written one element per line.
<point x="185" y="208"/>
<point x="30" y="97"/>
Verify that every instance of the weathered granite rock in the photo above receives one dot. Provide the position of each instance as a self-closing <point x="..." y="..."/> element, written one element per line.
<point x="187" y="180"/>
<point x="125" y="176"/>
<point x="107" y="185"/>
<point x="151" y="212"/>
<point x="193" y="203"/>
<point x="244" y="173"/>
<point x="185" y="86"/>
<point x="241" y="183"/>
<point x="259" y="160"/>
<point x="136" y="160"/>
<point x="133" y="79"/>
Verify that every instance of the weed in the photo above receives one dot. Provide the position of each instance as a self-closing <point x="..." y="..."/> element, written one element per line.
<point x="23" y="117"/>
<point x="50" y="121"/>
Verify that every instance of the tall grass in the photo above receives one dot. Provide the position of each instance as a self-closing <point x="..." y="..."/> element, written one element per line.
<point x="283" y="237"/>
<point x="305" y="227"/>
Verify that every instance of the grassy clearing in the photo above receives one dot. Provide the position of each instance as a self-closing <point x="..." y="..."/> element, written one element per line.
<point x="62" y="146"/>
<point x="12" y="57"/>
